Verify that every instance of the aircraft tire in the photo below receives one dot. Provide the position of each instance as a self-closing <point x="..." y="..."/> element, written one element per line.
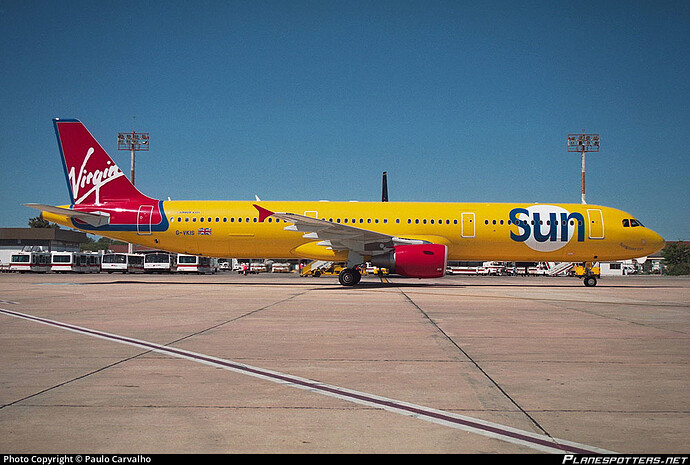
<point x="349" y="277"/>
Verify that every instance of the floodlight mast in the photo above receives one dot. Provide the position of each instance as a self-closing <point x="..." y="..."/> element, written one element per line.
<point x="583" y="143"/>
<point x="134" y="142"/>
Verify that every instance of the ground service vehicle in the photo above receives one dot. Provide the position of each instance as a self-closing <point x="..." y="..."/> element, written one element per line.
<point x="123" y="263"/>
<point x="35" y="262"/>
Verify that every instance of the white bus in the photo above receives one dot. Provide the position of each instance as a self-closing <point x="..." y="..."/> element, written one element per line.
<point x="193" y="264"/>
<point x="75" y="262"/>
<point x="122" y="262"/>
<point x="36" y="262"/>
<point x="159" y="262"/>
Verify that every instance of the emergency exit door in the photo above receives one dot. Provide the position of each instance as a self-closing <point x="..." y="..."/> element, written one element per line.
<point x="144" y="220"/>
<point x="467" y="224"/>
<point x="595" y="224"/>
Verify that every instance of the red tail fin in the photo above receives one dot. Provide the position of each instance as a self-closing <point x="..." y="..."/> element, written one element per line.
<point x="92" y="176"/>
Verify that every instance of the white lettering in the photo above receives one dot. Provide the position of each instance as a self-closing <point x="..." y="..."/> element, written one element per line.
<point x="96" y="179"/>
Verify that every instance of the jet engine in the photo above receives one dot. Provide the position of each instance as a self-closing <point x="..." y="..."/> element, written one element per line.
<point x="415" y="260"/>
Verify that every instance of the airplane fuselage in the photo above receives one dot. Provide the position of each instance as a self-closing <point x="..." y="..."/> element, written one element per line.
<point x="471" y="231"/>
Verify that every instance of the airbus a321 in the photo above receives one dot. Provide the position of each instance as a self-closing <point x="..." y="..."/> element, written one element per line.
<point x="413" y="239"/>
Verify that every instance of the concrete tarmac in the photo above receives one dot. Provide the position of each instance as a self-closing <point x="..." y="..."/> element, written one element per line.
<point x="276" y="363"/>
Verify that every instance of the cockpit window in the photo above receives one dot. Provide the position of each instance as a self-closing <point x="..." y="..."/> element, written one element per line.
<point x="631" y="223"/>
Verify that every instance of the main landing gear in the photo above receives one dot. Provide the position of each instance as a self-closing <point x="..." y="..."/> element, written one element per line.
<point x="349" y="276"/>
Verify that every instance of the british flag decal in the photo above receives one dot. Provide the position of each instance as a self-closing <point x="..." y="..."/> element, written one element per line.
<point x="204" y="231"/>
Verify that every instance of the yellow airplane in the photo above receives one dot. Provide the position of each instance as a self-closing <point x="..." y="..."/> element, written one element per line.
<point x="412" y="239"/>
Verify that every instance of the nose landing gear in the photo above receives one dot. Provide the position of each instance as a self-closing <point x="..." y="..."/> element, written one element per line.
<point x="589" y="273"/>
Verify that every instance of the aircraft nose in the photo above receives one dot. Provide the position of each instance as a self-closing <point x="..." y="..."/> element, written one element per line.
<point x="652" y="241"/>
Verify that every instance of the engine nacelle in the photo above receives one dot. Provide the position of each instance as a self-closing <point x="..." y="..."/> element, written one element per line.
<point x="415" y="260"/>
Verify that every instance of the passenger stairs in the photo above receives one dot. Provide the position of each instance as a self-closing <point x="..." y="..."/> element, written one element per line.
<point x="316" y="268"/>
<point x="559" y="268"/>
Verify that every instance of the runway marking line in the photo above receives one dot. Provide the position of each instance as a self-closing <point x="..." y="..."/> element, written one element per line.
<point x="473" y="425"/>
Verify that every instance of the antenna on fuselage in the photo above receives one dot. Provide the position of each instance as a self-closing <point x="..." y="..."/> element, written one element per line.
<point x="384" y="188"/>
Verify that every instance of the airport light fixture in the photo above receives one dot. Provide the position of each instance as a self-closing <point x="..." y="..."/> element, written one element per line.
<point x="134" y="142"/>
<point x="583" y="143"/>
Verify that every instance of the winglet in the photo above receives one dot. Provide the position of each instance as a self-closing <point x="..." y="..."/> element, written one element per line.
<point x="263" y="213"/>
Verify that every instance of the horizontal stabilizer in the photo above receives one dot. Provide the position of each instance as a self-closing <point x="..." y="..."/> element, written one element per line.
<point x="93" y="218"/>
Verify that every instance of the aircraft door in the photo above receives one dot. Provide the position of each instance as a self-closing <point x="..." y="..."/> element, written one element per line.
<point x="596" y="224"/>
<point x="468" y="225"/>
<point x="144" y="220"/>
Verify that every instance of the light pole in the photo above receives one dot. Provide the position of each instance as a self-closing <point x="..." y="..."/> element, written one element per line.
<point x="583" y="143"/>
<point x="134" y="142"/>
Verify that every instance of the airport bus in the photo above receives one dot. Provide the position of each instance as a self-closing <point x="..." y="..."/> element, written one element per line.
<point x="122" y="262"/>
<point x="75" y="262"/>
<point x="160" y="262"/>
<point x="193" y="264"/>
<point x="35" y="262"/>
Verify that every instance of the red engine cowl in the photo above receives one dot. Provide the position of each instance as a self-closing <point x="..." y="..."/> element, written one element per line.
<point x="415" y="260"/>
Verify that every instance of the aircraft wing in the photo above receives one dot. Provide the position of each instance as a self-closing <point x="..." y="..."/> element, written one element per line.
<point x="338" y="236"/>
<point x="93" y="218"/>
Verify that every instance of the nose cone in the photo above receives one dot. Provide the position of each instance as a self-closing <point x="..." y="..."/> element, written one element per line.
<point x="652" y="242"/>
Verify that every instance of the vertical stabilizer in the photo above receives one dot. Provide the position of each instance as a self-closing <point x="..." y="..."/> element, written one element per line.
<point x="92" y="176"/>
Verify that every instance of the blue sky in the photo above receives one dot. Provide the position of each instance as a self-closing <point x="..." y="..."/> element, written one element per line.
<point x="300" y="100"/>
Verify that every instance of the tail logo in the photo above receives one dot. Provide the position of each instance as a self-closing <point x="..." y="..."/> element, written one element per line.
<point x="91" y="180"/>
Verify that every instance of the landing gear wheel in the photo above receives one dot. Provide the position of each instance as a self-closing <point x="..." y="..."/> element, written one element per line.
<point x="590" y="281"/>
<point x="349" y="276"/>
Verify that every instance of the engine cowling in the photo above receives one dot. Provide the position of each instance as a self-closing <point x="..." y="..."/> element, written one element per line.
<point x="414" y="260"/>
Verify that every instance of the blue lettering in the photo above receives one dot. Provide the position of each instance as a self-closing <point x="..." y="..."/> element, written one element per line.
<point x="526" y="230"/>
<point x="551" y="236"/>
<point x="578" y="220"/>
